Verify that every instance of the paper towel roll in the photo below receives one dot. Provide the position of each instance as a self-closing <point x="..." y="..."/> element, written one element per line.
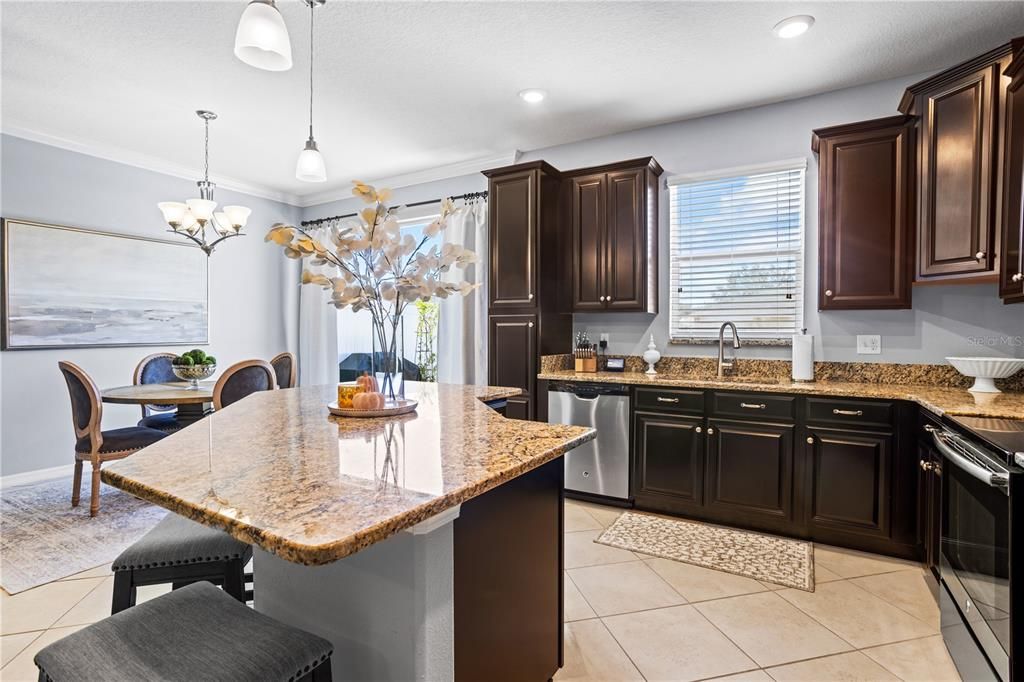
<point x="803" y="357"/>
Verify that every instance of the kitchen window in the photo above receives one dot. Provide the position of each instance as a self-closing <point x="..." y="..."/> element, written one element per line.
<point x="737" y="251"/>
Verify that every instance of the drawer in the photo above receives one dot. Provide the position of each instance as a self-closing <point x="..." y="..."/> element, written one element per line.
<point x="669" y="400"/>
<point x="834" y="411"/>
<point x="753" y="405"/>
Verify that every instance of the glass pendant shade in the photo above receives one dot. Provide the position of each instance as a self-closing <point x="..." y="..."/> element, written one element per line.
<point x="222" y="223"/>
<point x="311" y="167"/>
<point x="262" y="37"/>
<point x="173" y="212"/>
<point x="189" y="224"/>
<point x="201" y="209"/>
<point x="237" y="215"/>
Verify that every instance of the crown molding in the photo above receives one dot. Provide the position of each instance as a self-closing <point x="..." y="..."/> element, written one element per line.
<point x="452" y="170"/>
<point x="136" y="160"/>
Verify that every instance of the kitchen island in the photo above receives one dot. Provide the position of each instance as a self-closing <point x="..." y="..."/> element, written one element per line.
<point x="426" y="546"/>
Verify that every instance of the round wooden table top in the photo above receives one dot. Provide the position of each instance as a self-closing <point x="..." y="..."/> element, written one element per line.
<point x="170" y="393"/>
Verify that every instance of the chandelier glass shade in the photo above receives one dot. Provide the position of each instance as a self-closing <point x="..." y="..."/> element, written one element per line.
<point x="191" y="217"/>
<point x="262" y="37"/>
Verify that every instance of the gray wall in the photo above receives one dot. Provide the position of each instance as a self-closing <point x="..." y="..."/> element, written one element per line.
<point x="252" y="289"/>
<point x="944" y="319"/>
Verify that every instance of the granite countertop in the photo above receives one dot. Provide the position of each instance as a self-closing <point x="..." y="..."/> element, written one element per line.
<point x="276" y="470"/>
<point x="938" y="399"/>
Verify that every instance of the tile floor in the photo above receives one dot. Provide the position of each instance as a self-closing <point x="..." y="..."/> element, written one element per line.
<point x="635" y="617"/>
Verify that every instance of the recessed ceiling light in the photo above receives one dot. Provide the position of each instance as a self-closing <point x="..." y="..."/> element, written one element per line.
<point x="532" y="95"/>
<point x="793" y="26"/>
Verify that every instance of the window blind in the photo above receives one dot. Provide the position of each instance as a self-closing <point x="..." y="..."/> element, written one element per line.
<point x="736" y="250"/>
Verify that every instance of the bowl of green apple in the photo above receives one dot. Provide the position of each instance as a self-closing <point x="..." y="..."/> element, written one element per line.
<point x="193" y="367"/>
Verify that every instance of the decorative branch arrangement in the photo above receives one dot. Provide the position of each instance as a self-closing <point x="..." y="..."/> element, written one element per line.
<point x="379" y="269"/>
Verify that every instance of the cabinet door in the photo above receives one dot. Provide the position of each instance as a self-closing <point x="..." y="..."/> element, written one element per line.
<point x="626" y="250"/>
<point x="1011" y="261"/>
<point x="929" y="504"/>
<point x="513" y="238"/>
<point x="589" y="230"/>
<point x="750" y="471"/>
<point x="865" y="215"/>
<point x="956" y="227"/>
<point x="850" y="482"/>
<point x="669" y="458"/>
<point x="512" y="360"/>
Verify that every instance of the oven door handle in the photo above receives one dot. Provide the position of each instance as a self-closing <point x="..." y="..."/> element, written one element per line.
<point x="992" y="478"/>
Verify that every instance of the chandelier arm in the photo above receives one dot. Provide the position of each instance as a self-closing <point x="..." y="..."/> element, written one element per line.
<point x="227" y="236"/>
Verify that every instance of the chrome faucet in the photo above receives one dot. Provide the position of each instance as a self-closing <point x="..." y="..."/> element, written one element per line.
<point x="722" y="364"/>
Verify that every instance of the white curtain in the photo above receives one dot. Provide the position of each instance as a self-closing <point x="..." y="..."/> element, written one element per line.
<point x="462" y="327"/>
<point x="318" y="330"/>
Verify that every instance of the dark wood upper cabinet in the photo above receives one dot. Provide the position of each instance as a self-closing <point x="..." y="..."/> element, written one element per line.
<point x="512" y="275"/>
<point x="1011" y="262"/>
<point x="614" y="222"/>
<point x="865" y="208"/>
<point x="960" y="135"/>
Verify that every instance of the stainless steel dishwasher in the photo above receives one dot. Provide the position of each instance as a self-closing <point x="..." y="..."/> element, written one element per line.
<point x="600" y="467"/>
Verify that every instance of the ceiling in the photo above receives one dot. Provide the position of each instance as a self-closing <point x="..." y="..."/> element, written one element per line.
<point x="407" y="86"/>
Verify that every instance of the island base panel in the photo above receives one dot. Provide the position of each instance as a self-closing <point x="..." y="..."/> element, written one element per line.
<point x="387" y="609"/>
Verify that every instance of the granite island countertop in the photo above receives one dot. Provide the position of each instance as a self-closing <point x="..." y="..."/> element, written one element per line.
<point x="937" y="399"/>
<point x="278" y="471"/>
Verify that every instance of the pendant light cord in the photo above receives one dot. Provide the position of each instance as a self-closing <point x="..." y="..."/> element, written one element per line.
<point x="311" y="70"/>
<point x="206" y="152"/>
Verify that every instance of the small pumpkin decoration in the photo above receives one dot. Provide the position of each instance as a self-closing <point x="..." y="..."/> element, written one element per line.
<point x="368" y="383"/>
<point x="368" y="400"/>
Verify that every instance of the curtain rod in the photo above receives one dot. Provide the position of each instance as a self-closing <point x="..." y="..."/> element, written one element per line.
<point x="467" y="196"/>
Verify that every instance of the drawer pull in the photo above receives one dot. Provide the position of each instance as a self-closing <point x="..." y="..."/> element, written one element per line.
<point x="662" y="399"/>
<point x="849" y="413"/>
<point x="753" y="406"/>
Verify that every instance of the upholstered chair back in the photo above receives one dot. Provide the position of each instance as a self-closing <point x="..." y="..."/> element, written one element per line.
<point x="285" y="369"/>
<point x="86" y="408"/>
<point x="155" y="369"/>
<point x="242" y="379"/>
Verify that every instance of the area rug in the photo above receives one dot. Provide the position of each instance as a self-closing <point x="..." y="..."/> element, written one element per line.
<point x="43" y="539"/>
<point x="770" y="558"/>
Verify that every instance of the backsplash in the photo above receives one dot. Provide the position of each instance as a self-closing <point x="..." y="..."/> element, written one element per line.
<point x="861" y="372"/>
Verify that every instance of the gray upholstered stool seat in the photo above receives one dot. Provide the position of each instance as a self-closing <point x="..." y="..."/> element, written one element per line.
<point x="166" y="422"/>
<point x="176" y="541"/>
<point x="118" y="440"/>
<point x="195" y="633"/>
<point x="180" y="552"/>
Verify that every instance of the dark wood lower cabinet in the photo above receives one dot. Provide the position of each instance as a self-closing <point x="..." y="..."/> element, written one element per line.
<point x="513" y="360"/>
<point x="850" y="483"/>
<point x="670" y="459"/>
<point x="750" y="472"/>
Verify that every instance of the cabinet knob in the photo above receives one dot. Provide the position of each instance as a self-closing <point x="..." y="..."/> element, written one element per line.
<point x="828" y="292"/>
<point x="608" y="298"/>
<point x="699" y="430"/>
<point x="530" y="325"/>
<point x="1019" y="277"/>
<point x="979" y="256"/>
<point x="711" y="431"/>
<point x="529" y="297"/>
<point x="601" y="298"/>
<point x="926" y="466"/>
<point x="810" y="440"/>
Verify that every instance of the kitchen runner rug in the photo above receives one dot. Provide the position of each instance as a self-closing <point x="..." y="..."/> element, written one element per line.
<point x="770" y="558"/>
<point x="42" y="538"/>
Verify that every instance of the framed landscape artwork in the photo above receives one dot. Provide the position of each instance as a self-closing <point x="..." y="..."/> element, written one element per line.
<point x="66" y="287"/>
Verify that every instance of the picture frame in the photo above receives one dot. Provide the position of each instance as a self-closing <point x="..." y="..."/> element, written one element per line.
<point x="71" y="287"/>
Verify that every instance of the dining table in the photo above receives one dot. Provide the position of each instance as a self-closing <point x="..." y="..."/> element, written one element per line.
<point x="193" y="403"/>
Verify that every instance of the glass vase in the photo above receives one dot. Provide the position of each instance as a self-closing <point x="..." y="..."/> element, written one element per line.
<point x="388" y="358"/>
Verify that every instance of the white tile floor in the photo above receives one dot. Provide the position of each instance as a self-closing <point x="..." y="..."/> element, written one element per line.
<point x="634" y="617"/>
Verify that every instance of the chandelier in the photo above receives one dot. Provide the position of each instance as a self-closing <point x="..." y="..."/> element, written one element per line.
<point x="191" y="218"/>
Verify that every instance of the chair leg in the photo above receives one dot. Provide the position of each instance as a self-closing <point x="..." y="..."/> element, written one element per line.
<point x="76" y="485"/>
<point x="94" y="499"/>
<point x="234" y="579"/>
<point x="322" y="673"/>
<point x="124" y="592"/>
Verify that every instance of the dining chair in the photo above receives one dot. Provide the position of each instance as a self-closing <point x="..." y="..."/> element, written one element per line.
<point x="156" y="369"/>
<point x="195" y="633"/>
<point x="285" y="368"/>
<point x="242" y="379"/>
<point x="92" y="443"/>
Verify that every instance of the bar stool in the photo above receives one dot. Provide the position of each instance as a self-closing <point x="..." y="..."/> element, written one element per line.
<point x="180" y="552"/>
<point x="195" y="633"/>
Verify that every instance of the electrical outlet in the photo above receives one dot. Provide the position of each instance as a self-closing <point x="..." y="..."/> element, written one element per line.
<point x="604" y="337"/>
<point x="869" y="344"/>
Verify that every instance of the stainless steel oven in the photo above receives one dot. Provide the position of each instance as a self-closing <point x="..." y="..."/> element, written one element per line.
<point x="978" y="539"/>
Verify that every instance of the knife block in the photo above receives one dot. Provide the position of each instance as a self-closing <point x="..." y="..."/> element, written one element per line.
<point x="586" y="364"/>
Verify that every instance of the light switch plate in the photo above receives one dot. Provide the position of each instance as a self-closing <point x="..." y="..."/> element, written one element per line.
<point x="869" y="344"/>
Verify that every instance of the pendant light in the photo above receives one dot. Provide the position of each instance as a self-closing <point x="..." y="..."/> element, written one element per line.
<point x="310" y="166"/>
<point x="262" y="38"/>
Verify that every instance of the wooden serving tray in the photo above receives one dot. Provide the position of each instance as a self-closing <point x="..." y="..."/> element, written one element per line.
<point x="390" y="409"/>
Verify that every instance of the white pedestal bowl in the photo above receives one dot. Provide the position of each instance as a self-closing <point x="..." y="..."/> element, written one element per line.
<point x="985" y="371"/>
